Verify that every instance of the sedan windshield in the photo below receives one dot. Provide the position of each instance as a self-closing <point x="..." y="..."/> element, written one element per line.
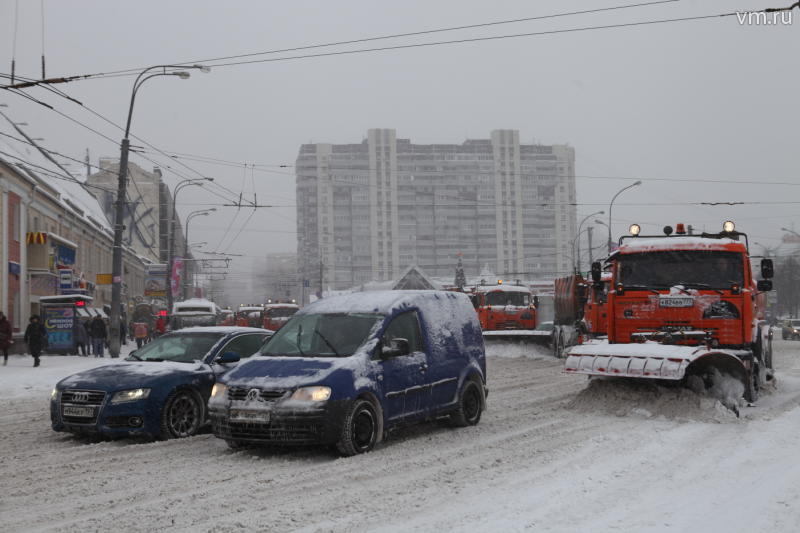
<point x="322" y="335"/>
<point x="690" y="269"/>
<point x="180" y="347"/>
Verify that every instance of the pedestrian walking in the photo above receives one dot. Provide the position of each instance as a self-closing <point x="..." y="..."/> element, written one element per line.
<point x="81" y="338"/>
<point x="5" y="337"/>
<point x="99" y="333"/>
<point x="123" y="332"/>
<point x="140" y="333"/>
<point x="87" y="325"/>
<point x="35" y="338"/>
<point x="161" y="326"/>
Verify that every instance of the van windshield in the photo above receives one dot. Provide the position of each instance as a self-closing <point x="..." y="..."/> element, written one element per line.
<point x="322" y="335"/>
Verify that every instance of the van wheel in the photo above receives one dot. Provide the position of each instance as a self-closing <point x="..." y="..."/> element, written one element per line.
<point x="360" y="429"/>
<point x="182" y="415"/>
<point x="470" y="405"/>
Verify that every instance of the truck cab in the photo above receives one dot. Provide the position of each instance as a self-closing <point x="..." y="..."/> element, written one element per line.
<point x="682" y="305"/>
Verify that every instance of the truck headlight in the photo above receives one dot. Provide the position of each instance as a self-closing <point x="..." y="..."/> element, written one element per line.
<point x="219" y="390"/>
<point x="130" y="395"/>
<point x="312" y="394"/>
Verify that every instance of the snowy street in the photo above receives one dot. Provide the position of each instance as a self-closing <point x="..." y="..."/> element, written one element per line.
<point x="548" y="455"/>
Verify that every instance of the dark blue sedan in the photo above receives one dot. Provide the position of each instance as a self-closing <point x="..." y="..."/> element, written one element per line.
<point x="160" y="391"/>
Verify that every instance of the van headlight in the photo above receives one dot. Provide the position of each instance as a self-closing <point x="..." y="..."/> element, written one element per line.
<point x="54" y="394"/>
<point x="219" y="390"/>
<point x="312" y="394"/>
<point x="130" y="395"/>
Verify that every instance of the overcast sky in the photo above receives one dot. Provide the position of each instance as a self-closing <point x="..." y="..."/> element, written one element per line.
<point x="706" y="100"/>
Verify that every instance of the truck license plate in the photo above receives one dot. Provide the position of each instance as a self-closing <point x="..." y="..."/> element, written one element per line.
<point x="676" y="302"/>
<point x="240" y="415"/>
<point x="79" y="411"/>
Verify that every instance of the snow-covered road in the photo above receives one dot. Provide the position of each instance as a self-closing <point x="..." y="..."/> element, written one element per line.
<point x="550" y="454"/>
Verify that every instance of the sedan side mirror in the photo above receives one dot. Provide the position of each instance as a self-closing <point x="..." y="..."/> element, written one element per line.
<point x="228" y="357"/>
<point x="764" y="285"/>
<point x="396" y="348"/>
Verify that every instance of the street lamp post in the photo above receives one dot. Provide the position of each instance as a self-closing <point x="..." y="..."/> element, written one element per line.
<point x="171" y="237"/>
<point x="199" y="212"/>
<point x="119" y="205"/>
<point x="634" y="184"/>
<point x="576" y="242"/>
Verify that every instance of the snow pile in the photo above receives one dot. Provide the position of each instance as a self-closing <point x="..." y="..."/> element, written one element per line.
<point x="627" y="397"/>
<point x="496" y="348"/>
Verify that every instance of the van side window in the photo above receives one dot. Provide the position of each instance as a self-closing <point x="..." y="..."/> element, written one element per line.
<point x="405" y="326"/>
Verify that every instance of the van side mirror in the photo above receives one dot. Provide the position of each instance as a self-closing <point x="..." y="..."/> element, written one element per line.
<point x="536" y="301"/>
<point x="397" y="347"/>
<point x="767" y="270"/>
<point x="228" y="357"/>
<point x="597" y="270"/>
<point x="764" y="285"/>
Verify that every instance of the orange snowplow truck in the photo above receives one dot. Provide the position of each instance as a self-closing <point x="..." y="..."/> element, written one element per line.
<point x="580" y="311"/>
<point x="506" y="312"/>
<point x="683" y="305"/>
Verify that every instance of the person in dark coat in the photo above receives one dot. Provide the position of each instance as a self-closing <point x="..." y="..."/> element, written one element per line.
<point x="36" y="338"/>
<point x="87" y="325"/>
<point x="81" y="337"/>
<point x="5" y="337"/>
<point x="99" y="334"/>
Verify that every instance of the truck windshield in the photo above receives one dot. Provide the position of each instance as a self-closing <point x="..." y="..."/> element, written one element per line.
<point x="508" y="298"/>
<point x="690" y="268"/>
<point x="322" y="335"/>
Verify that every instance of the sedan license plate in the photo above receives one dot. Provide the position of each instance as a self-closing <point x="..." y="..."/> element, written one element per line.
<point x="676" y="302"/>
<point x="240" y="415"/>
<point x="78" y="410"/>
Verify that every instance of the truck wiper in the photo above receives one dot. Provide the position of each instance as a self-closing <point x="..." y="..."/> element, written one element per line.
<point x="702" y="286"/>
<point x="639" y="288"/>
<point x="331" y="346"/>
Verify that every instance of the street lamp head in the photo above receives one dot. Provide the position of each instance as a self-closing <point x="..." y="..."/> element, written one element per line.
<point x="598" y="221"/>
<point x="638" y="182"/>
<point x="202" y="68"/>
<point x="20" y="123"/>
<point x="182" y="74"/>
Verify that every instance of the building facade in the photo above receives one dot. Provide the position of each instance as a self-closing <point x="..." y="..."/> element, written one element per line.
<point x="368" y="211"/>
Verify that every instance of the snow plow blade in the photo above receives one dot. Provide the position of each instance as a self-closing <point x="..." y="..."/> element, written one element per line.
<point x="519" y="335"/>
<point x="651" y="361"/>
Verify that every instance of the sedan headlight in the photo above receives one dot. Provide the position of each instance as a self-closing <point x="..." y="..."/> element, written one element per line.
<point x="219" y="390"/>
<point x="130" y="395"/>
<point x="312" y="394"/>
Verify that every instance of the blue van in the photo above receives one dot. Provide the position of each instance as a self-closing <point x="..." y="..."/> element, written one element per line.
<point x="346" y="369"/>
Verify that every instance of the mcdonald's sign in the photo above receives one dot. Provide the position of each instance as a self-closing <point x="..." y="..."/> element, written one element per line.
<point x="36" y="237"/>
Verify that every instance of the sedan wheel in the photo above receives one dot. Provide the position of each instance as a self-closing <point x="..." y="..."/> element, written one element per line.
<point x="182" y="415"/>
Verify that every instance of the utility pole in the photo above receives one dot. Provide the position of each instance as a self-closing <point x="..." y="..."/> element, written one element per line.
<point x="589" y="231"/>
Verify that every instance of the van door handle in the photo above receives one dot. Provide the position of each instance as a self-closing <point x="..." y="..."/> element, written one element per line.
<point x="423" y="367"/>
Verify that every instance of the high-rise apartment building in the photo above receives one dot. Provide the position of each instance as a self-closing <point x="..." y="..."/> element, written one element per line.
<point x="367" y="211"/>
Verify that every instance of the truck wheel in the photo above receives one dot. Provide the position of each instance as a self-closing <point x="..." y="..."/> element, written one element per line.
<point x="359" y="429"/>
<point x="470" y="405"/>
<point x="182" y="415"/>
